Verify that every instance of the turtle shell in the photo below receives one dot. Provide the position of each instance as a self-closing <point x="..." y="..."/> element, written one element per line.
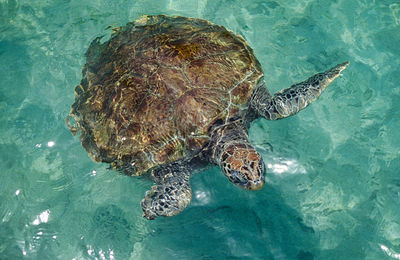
<point x="149" y="95"/>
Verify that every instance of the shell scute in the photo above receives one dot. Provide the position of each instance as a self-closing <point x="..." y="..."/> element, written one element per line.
<point x="197" y="107"/>
<point x="168" y="83"/>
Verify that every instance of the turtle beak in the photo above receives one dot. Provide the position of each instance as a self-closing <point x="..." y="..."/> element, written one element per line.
<point x="256" y="182"/>
<point x="256" y="185"/>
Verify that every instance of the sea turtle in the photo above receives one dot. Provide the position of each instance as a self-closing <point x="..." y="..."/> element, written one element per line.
<point x="164" y="94"/>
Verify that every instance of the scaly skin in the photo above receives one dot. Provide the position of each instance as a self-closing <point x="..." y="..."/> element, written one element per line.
<point x="172" y="192"/>
<point x="295" y="98"/>
<point x="230" y="148"/>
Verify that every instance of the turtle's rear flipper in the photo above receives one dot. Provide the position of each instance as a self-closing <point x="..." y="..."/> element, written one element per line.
<point x="171" y="194"/>
<point x="293" y="99"/>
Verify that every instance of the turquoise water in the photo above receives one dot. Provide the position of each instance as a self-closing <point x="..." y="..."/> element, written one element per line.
<point x="333" y="182"/>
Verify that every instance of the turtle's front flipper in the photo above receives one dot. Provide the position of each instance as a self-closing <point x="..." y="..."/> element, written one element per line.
<point x="172" y="192"/>
<point x="291" y="100"/>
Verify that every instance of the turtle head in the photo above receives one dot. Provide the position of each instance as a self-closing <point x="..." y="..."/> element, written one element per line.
<point x="243" y="166"/>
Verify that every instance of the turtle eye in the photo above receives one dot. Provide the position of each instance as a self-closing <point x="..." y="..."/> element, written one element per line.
<point x="236" y="177"/>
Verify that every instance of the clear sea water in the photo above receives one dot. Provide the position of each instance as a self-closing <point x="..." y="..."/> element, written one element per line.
<point x="333" y="181"/>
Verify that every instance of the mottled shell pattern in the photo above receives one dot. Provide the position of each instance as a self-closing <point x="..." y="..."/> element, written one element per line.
<point x="151" y="93"/>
